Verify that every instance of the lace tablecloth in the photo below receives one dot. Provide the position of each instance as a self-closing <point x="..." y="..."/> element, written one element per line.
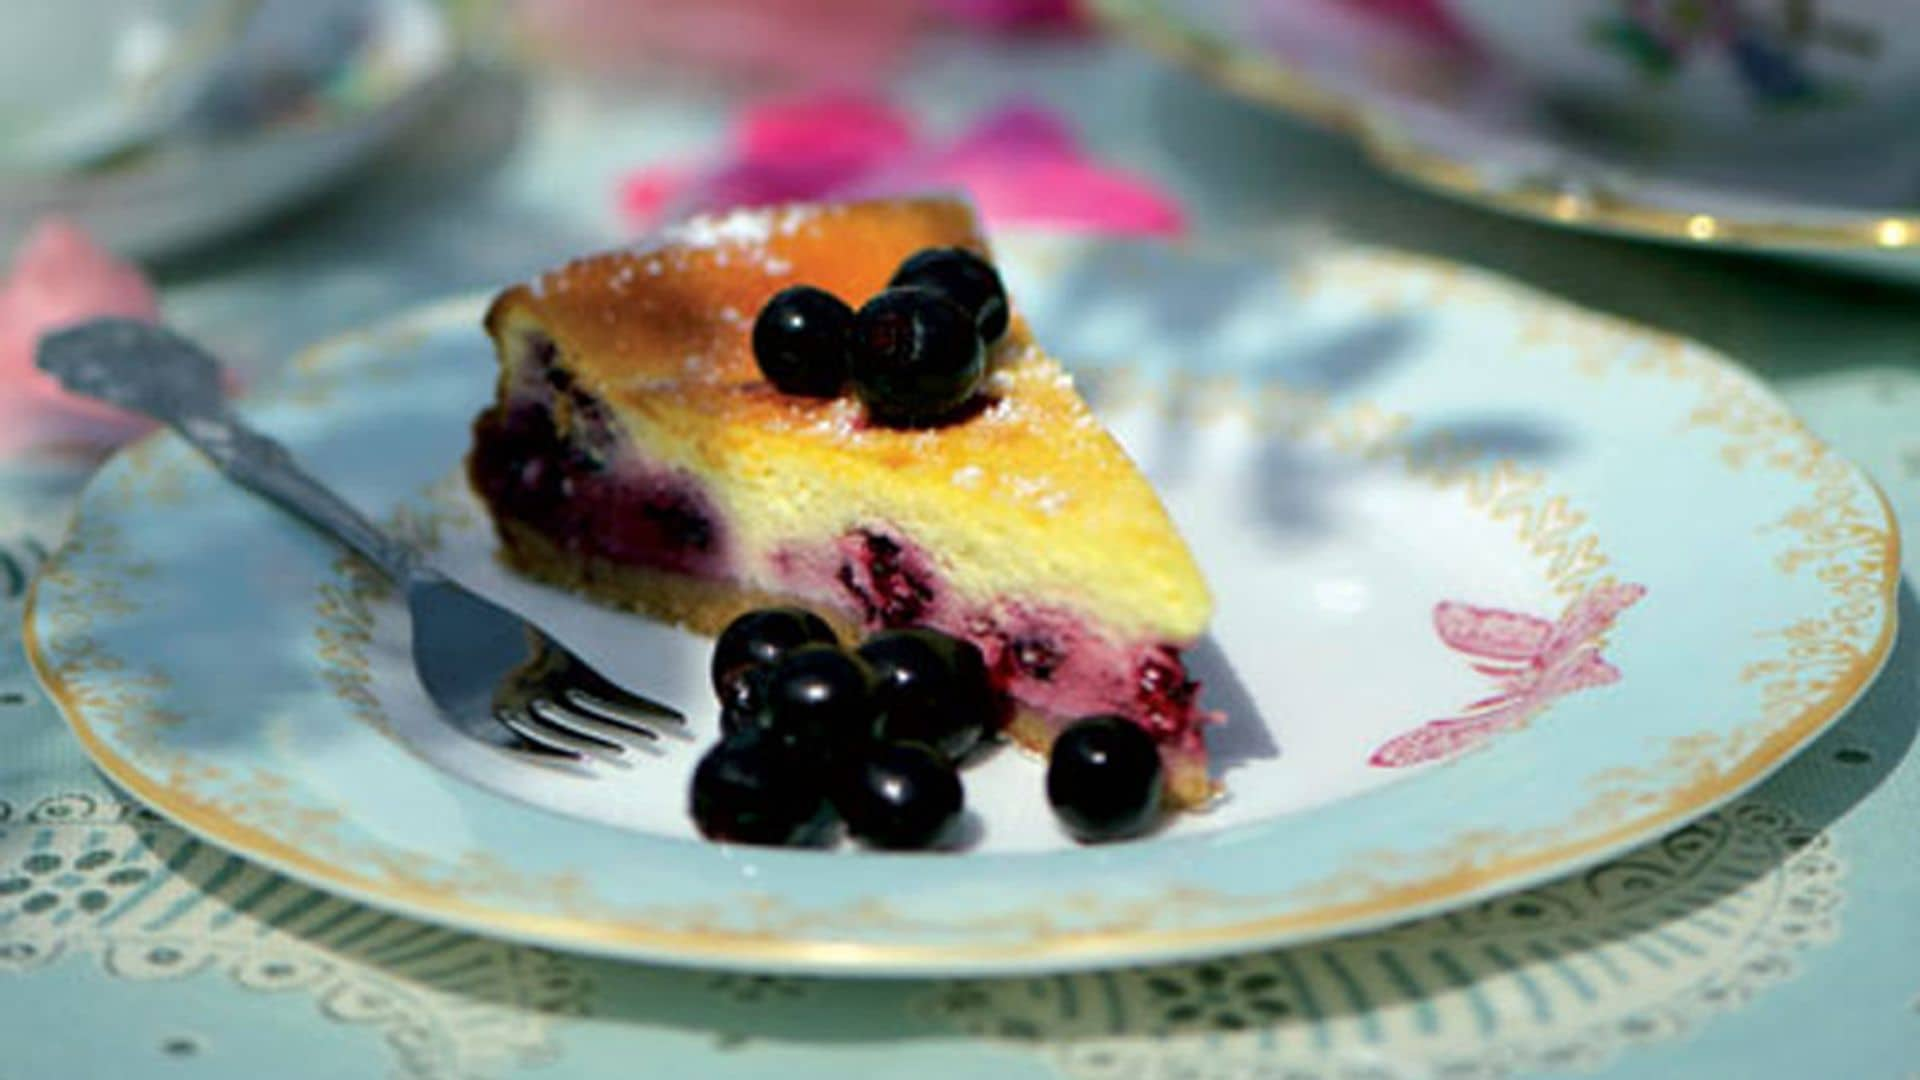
<point x="1776" y="938"/>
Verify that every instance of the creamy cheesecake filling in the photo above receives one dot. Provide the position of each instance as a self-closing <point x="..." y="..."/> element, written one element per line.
<point x="548" y="457"/>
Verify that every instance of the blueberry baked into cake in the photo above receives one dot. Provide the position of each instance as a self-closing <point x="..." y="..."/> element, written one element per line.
<point x="831" y="406"/>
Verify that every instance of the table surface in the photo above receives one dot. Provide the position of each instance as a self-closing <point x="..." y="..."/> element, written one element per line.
<point x="1776" y="938"/>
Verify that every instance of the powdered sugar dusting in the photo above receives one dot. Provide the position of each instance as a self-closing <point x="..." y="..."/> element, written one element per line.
<point x="791" y="218"/>
<point x="738" y="237"/>
<point x="1041" y="493"/>
<point x="969" y="476"/>
<point x="843" y="418"/>
<point x="709" y="230"/>
<point x="738" y="227"/>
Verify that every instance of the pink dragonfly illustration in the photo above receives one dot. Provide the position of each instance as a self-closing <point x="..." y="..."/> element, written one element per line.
<point x="1532" y="661"/>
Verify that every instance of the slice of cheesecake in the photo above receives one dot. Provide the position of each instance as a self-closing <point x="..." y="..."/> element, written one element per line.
<point x="636" y="454"/>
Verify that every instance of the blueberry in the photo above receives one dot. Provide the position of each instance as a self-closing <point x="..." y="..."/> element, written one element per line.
<point x="762" y="637"/>
<point x="916" y="357"/>
<point x="932" y="689"/>
<point x="1103" y="778"/>
<point x="964" y="278"/>
<point x="820" y="698"/>
<point x="901" y="796"/>
<point x="743" y="700"/>
<point x="751" y="789"/>
<point x="800" y="341"/>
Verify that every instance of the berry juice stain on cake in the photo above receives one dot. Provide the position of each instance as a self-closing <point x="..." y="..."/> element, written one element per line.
<point x="888" y="583"/>
<point x="549" y="457"/>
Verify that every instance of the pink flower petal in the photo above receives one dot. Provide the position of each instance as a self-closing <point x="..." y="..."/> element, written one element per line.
<point x="850" y="130"/>
<point x="1013" y="132"/>
<point x="647" y="194"/>
<point x="1068" y="196"/>
<point x="783" y="149"/>
<point x="1020" y="164"/>
<point x="60" y="277"/>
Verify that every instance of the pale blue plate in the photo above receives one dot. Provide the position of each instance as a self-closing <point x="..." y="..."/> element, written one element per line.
<point x="1504" y="587"/>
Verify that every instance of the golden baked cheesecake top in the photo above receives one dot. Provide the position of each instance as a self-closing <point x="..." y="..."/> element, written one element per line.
<point x="662" y="335"/>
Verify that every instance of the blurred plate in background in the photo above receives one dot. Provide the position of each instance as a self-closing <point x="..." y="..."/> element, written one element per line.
<point x="81" y="77"/>
<point x="1428" y="101"/>
<point x="225" y="159"/>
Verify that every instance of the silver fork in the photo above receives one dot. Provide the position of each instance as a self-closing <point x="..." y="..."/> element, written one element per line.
<point x="495" y="677"/>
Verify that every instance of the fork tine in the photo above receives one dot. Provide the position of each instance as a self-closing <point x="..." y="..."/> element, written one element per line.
<point x="611" y="696"/>
<point x="522" y="723"/>
<point x="542" y="750"/>
<point x="554" y="717"/>
<point x="538" y="750"/>
<point x="610" y="713"/>
<point x="587" y="724"/>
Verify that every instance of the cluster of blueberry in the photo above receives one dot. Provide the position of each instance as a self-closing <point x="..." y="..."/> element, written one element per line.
<point x="914" y="354"/>
<point x="815" y="735"/>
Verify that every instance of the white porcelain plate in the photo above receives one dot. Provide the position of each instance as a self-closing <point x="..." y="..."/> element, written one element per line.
<point x="1503" y="588"/>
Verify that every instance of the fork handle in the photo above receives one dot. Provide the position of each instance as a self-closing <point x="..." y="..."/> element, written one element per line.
<point x="150" y="370"/>
<point x="262" y="465"/>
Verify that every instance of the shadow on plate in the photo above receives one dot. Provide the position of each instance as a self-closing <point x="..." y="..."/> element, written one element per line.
<point x="1247" y="734"/>
<point x="1626" y="952"/>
